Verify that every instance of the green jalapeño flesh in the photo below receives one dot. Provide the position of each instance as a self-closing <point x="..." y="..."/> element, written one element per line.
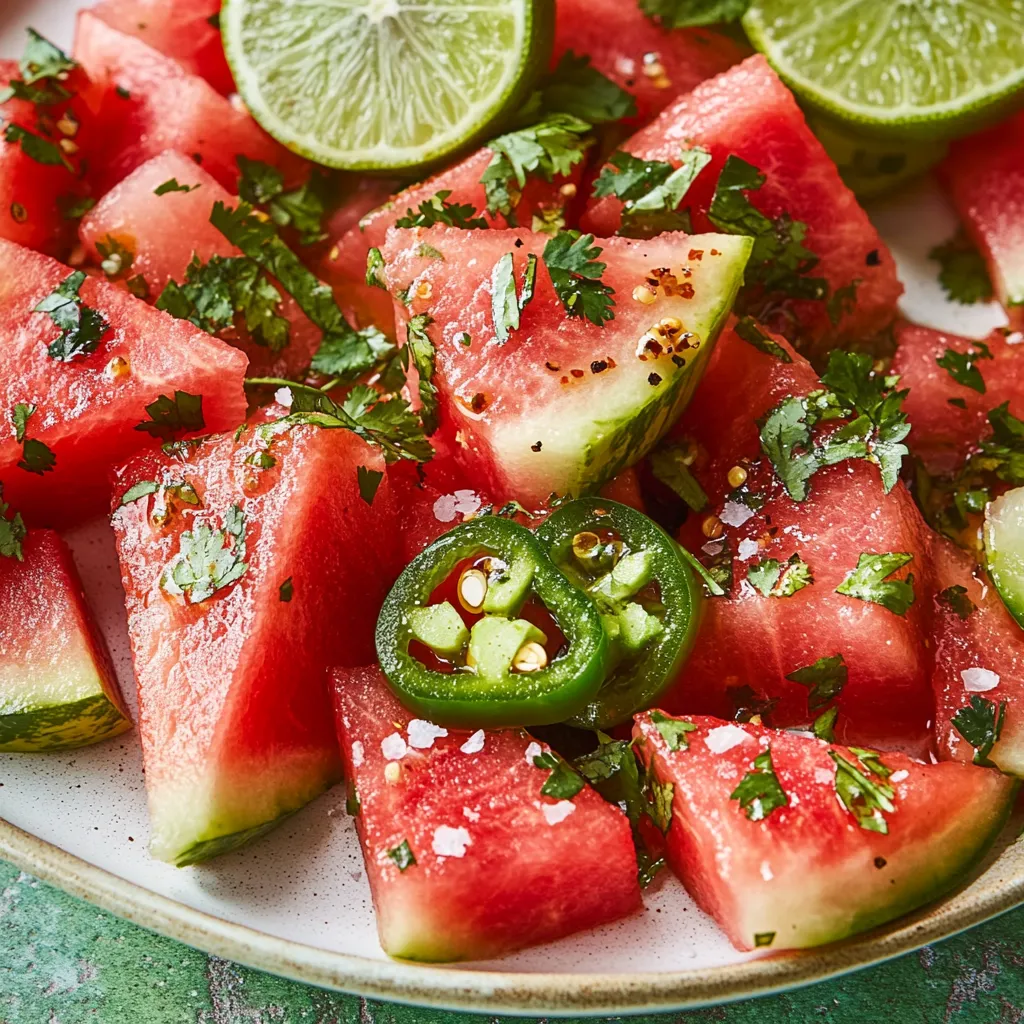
<point x="646" y="594"/>
<point x="482" y="630"/>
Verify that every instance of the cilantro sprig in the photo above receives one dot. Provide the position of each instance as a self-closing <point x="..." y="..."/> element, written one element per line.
<point x="774" y="580"/>
<point x="571" y="259"/>
<point x="980" y="723"/>
<point x="824" y="679"/>
<point x="437" y="210"/>
<point x="869" y="581"/>
<point x="563" y="782"/>
<point x="865" y="798"/>
<point x="208" y="560"/>
<point x="169" y="417"/>
<point x="760" y="792"/>
<point x="963" y="366"/>
<point x="302" y="208"/>
<point x="81" y="326"/>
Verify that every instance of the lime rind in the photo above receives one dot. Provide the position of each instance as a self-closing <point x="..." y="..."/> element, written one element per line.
<point x="383" y="84"/>
<point x="929" y="69"/>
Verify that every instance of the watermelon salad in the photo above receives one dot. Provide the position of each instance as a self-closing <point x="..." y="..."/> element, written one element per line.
<point x="581" y="503"/>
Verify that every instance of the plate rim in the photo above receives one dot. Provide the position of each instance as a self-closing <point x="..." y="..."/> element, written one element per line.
<point x="998" y="889"/>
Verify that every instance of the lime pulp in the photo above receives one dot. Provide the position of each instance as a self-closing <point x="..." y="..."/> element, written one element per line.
<point x="384" y="84"/>
<point x="925" y="69"/>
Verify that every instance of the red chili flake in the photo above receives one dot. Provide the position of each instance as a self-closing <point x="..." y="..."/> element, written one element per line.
<point x="685" y="290"/>
<point x="610" y="362"/>
<point x="565" y="380"/>
<point x="598" y="366"/>
<point x="653" y="347"/>
<point x="696" y="254"/>
<point x="576" y="373"/>
<point x="653" y="379"/>
<point x="715" y="252"/>
<point x="535" y="447"/>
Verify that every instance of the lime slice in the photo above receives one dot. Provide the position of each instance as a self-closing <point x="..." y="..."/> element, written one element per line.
<point x="927" y="69"/>
<point x="383" y="84"/>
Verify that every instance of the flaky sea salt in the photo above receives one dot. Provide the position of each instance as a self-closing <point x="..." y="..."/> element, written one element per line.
<point x="394" y="747"/>
<point x="450" y="842"/>
<point x="422" y="734"/>
<point x="474" y="744"/>
<point x="532" y="751"/>
<point x="747" y="549"/>
<point x="554" y="813"/>
<point x="978" y="680"/>
<point x="724" y="738"/>
<point x="357" y="754"/>
<point x="735" y="514"/>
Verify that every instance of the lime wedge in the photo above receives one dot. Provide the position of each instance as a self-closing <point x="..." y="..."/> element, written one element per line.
<point x="384" y="84"/>
<point x="928" y="69"/>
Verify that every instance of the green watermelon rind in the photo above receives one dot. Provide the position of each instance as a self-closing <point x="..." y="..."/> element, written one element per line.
<point x="192" y="823"/>
<point x="595" y="450"/>
<point x="61" y="726"/>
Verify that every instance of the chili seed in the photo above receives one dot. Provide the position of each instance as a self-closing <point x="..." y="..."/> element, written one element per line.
<point x="472" y="590"/>
<point x="531" y="657"/>
<point x="712" y="527"/>
<point x="737" y="476"/>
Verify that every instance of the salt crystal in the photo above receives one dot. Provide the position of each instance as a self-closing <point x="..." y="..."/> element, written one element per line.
<point x="978" y="680"/>
<point x="471" y="815"/>
<point x="450" y="842"/>
<point x="724" y="738"/>
<point x="735" y="514"/>
<point x="357" y="754"/>
<point x="444" y="508"/>
<point x="422" y="734"/>
<point x="747" y="549"/>
<point x="823" y="776"/>
<point x="899" y="776"/>
<point x="766" y="871"/>
<point x="554" y="813"/>
<point x="532" y="751"/>
<point x="474" y="744"/>
<point x="283" y="396"/>
<point x="393" y="747"/>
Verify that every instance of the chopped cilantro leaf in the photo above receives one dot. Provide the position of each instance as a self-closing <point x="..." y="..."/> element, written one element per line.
<point x="551" y="147"/>
<point x="173" y="185"/>
<point x="36" y="147"/>
<point x="752" y="333"/>
<point x="286" y="591"/>
<point x="760" y="792"/>
<point x="504" y="301"/>
<point x="208" y="560"/>
<point x="571" y="260"/>
<point x="334" y="357"/>
<point x="774" y="580"/>
<point x="658" y="796"/>
<point x="81" y="327"/>
<point x="761" y="939"/>
<point x="786" y="440"/>
<point x="864" y="798"/>
<point x="669" y="465"/>
<point x="956" y="599"/>
<point x="842" y="301"/>
<point x="564" y="782"/>
<point x="962" y="271"/>
<point x="981" y="724"/>
<point x="138" y="490"/>
<point x="437" y="210"/>
<point x="302" y="208"/>
<point x="41" y="59"/>
<point x="20" y="417"/>
<point x="824" y="678"/>
<point x="12" y="531"/>
<point x="428" y="252"/>
<point x="72" y="207"/>
<point x="374" y="266"/>
<point x="868" y="582"/>
<point x="824" y="726"/>
<point x="423" y="356"/>
<point x="686" y="13"/>
<point x="962" y="366"/>
<point x="402" y="855"/>
<point x="386" y="422"/>
<point x="170" y="416"/>
<point x="613" y="771"/>
<point x="672" y="730"/>
<point x="369" y="480"/>
<point x="718" y="576"/>
<point x="577" y="89"/>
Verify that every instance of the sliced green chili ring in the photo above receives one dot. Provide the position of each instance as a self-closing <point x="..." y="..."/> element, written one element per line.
<point x="649" y="645"/>
<point x="489" y="693"/>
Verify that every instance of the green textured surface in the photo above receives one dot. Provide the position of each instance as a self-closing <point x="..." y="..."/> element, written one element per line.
<point x="65" y="962"/>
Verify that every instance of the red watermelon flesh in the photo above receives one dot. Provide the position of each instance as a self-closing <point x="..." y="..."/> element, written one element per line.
<point x="233" y="707"/>
<point x="164" y="231"/>
<point x="981" y="655"/>
<point x="151" y="103"/>
<point x="181" y="29"/>
<point x="344" y="268"/>
<point x="87" y="409"/>
<point x="944" y="434"/>
<point x="655" y="64"/>
<point x="563" y="404"/>
<point x="747" y="112"/>
<point x="751" y="641"/>
<point x="807" y="873"/>
<point x="57" y="686"/>
<point x="984" y="176"/>
<point x="29" y="190"/>
<point x="498" y="866"/>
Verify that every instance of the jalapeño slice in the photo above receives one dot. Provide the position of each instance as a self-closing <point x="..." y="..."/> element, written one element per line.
<point x="482" y="630"/>
<point x="647" y="596"/>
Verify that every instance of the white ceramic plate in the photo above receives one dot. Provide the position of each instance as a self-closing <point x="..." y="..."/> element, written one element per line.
<point x="297" y="902"/>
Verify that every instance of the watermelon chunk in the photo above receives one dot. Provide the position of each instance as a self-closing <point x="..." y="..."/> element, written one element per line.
<point x="979" y="655"/>
<point x="163" y="232"/>
<point x="807" y="873"/>
<point x="984" y="176"/>
<point x="751" y="642"/>
<point x="234" y="713"/>
<point x="87" y="409"/>
<point x="563" y="405"/>
<point x="655" y="64"/>
<point x="183" y="29"/>
<point x="465" y="856"/>
<point x="151" y="103"/>
<point x="344" y="267"/>
<point x="950" y="417"/>
<point x="747" y="112"/>
<point x="57" y="687"/>
<point x="29" y="190"/>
